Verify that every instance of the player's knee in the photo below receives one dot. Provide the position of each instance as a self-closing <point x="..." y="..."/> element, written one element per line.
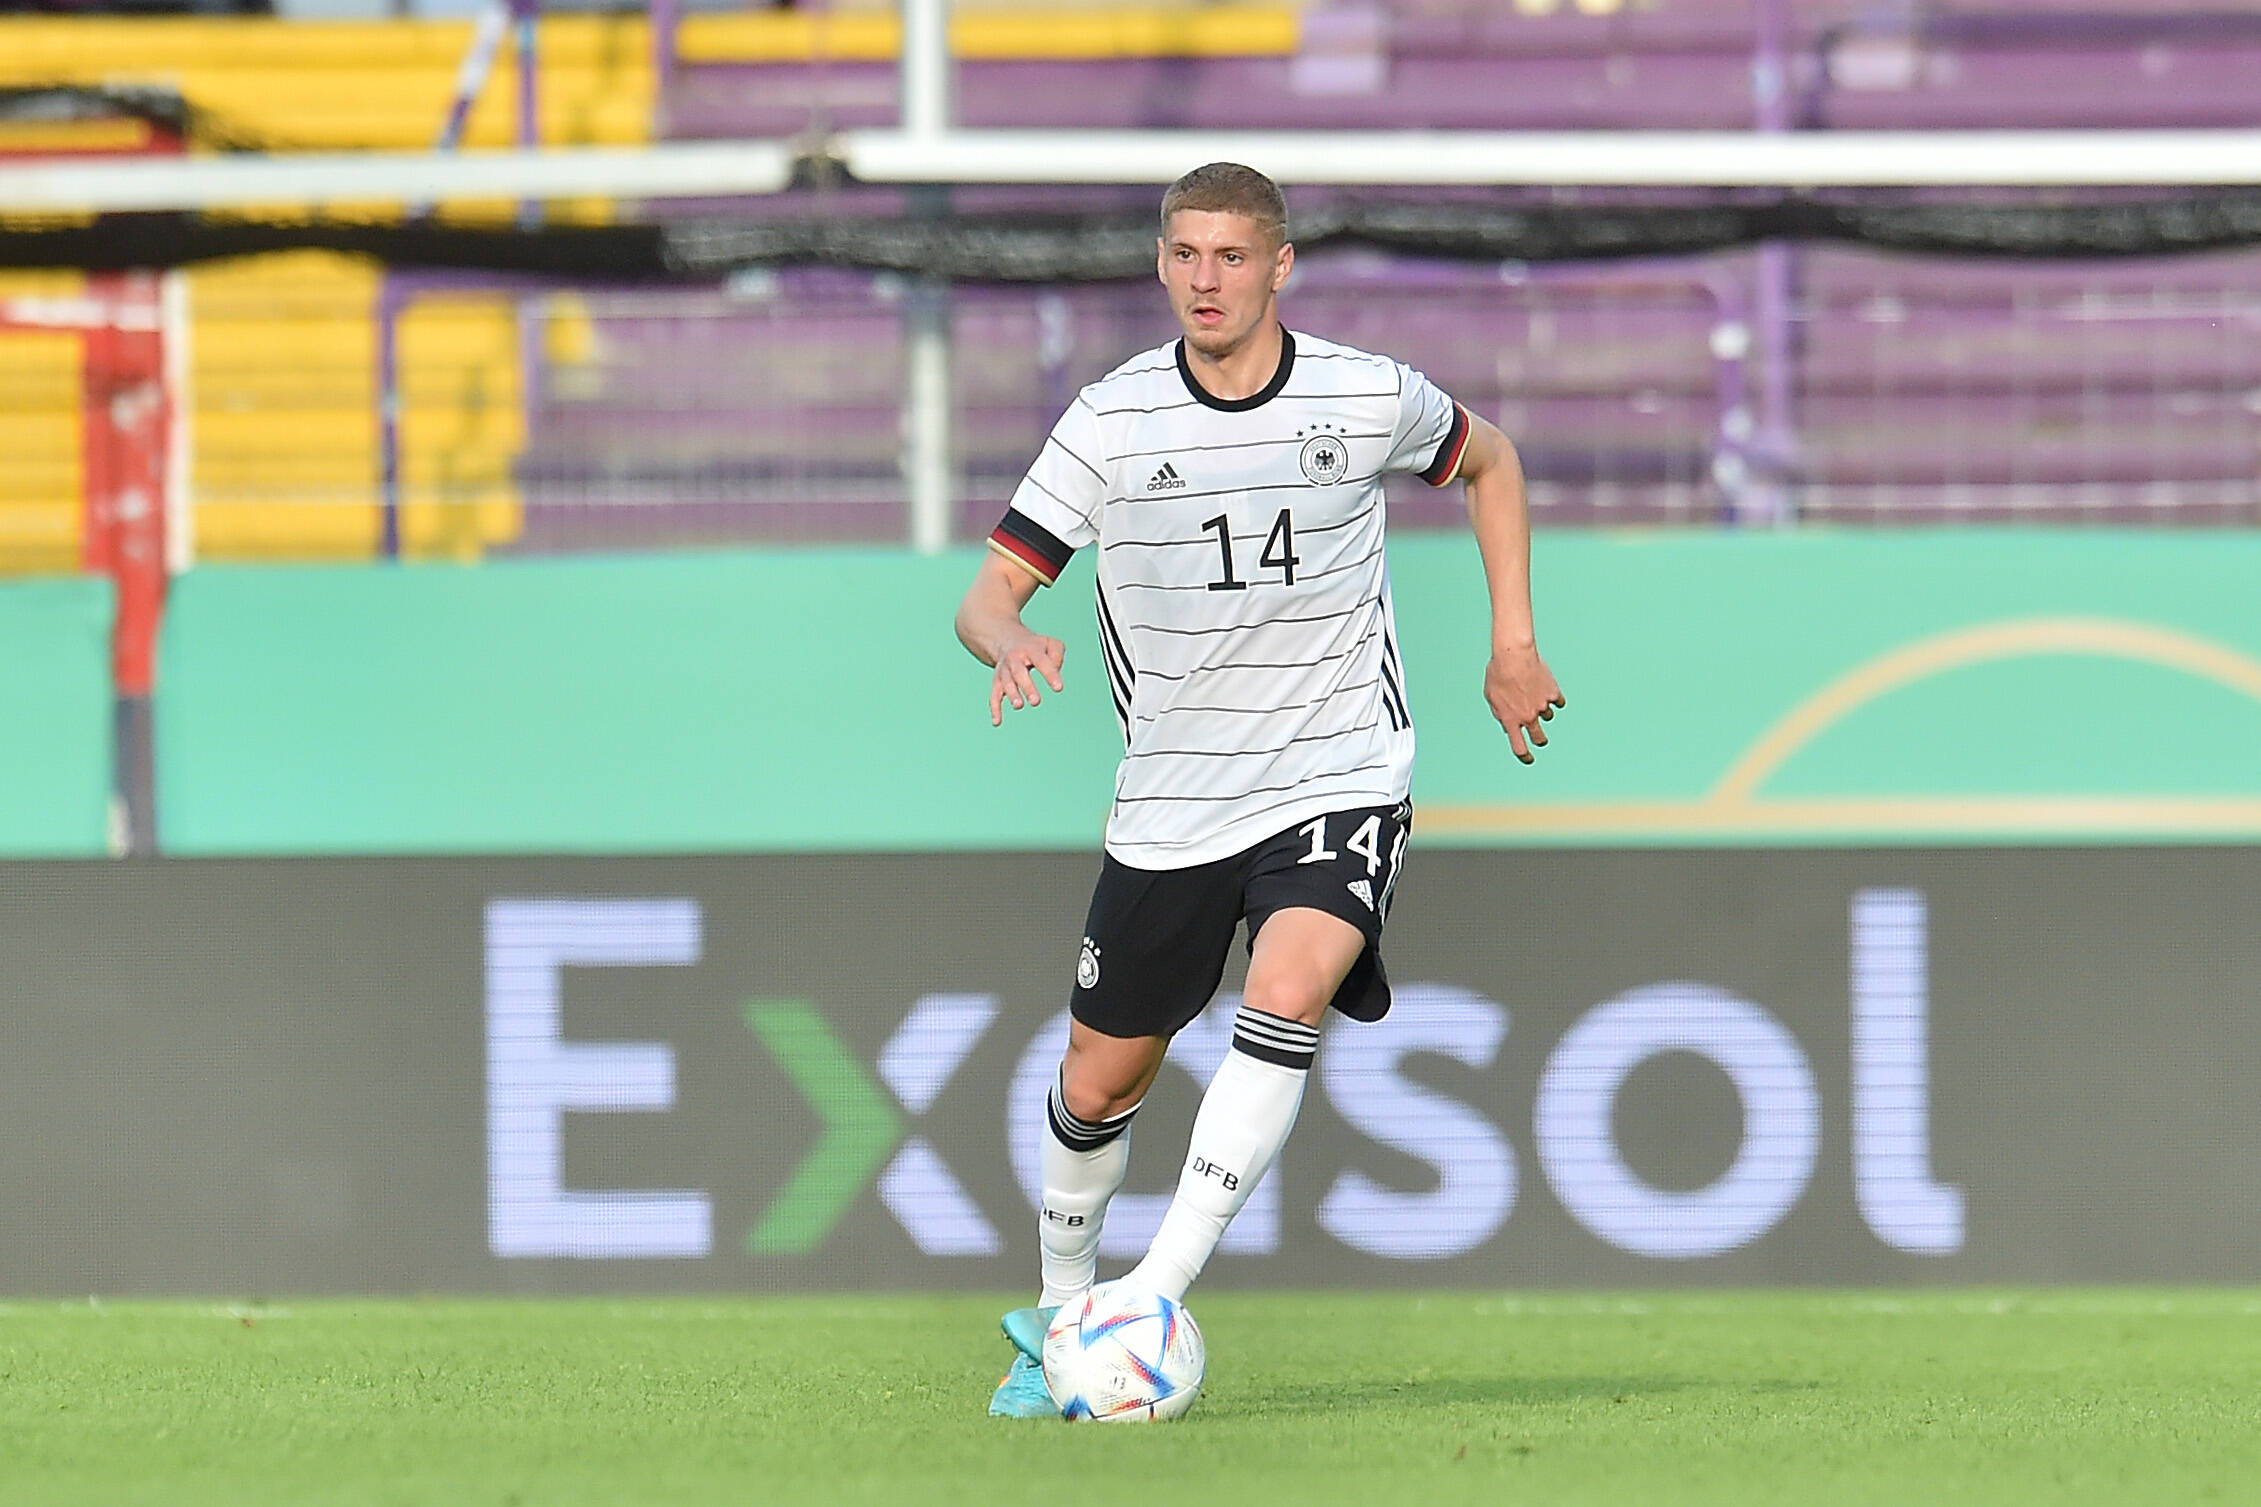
<point x="1090" y="1091"/>
<point x="1290" y="994"/>
<point x="1094" y="1102"/>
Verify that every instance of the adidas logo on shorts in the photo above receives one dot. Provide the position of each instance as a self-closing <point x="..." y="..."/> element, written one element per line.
<point x="1166" y="479"/>
<point x="1363" y="890"/>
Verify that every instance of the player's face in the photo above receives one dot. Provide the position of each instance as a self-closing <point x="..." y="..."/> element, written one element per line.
<point x="1221" y="271"/>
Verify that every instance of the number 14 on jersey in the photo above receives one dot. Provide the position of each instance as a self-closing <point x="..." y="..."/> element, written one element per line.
<point x="1279" y="552"/>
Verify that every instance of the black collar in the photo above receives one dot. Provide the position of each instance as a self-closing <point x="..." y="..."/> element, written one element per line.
<point x="1270" y="389"/>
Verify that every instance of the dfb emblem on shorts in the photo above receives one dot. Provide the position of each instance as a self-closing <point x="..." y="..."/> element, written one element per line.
<point x="1325" y="460"/>
<point x="1087" y="966"/>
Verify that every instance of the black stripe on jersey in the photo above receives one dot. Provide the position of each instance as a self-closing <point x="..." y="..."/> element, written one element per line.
<point x="1121" y="677"/>
<point x="1113" y="638"/>
<point x="1122" y="707"/>
<point x="1390" y="661"/>
<point x="1262" y="664"/>
<point x="1260" y="711"/>
<point x="1111" y="646"/>
<point x="1237" y="753"/>
<point x="1326" y="617"/>
<point x="1211" y="539"/>
<point x="1447" y="459"/>
<point x="1343" y="774"/>
<point x="1393" y="680"/>
<point x="1160" y="586"/>
<point x="1298" y="485"/>
<point x="1335" y="570"/>
<point x="1394" y="698"/>
<point x="1115" y="688"/>
<point x="1053" y="439"/>
<point x="1063" y="502"/>
<point x="1297" y="439"/>
<point x="1048" y="546"/>
<point x="1301" y="578"/>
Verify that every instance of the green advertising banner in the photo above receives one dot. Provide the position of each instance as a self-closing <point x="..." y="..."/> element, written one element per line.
<point x="1961" y="687"/>
<point x="55" y="717"/>
<point x="1965" y="687"/>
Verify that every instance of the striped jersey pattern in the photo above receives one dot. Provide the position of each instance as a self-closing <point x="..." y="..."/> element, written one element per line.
<point x="1244" y="602"/>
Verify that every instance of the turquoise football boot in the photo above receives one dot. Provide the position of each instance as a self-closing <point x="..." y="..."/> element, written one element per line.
<point x="1025" y="1327"/>
<point x="1022" y="1394"/>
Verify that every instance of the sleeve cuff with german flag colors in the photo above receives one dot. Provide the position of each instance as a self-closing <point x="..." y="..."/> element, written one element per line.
<point x="1024" y="541"/>
<point x="1447" y="462"/>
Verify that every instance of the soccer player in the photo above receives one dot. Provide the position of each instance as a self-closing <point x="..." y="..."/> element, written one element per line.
<point x="1232" y="481"/>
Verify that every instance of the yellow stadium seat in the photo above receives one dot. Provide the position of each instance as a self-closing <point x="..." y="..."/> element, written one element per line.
<point x="286" y="436"/>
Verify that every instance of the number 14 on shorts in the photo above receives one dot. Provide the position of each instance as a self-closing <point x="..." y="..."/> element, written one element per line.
<point x="1364" y="841"/>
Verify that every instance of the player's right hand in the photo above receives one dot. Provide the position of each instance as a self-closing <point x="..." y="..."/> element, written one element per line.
<point x="1017" y="668"/>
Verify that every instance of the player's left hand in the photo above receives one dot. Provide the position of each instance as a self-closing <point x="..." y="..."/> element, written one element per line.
<point x="1522" y="693"/>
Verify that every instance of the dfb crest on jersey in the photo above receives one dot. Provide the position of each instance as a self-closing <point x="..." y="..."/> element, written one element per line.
<point x="1325" y="460"/>
<point x="1087" y="965"/>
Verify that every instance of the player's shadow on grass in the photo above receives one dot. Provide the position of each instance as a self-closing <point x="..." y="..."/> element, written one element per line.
<point x="1457" y="1391"/>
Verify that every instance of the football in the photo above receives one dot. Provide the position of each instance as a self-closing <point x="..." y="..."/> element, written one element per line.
<point x="1123" y="1355"/>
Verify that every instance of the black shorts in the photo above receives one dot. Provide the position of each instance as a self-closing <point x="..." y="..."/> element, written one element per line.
<point x="1154" y="947"/>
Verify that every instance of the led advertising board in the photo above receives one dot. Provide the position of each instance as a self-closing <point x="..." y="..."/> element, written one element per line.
<point x="714" y="1073"/>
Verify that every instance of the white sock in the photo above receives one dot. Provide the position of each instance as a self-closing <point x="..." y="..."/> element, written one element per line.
<point x="1083" y="1164"/>
<point x="1244" y="1120"/>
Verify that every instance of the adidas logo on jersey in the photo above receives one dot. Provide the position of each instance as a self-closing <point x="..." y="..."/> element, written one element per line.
<point x="1363" y="890"/>
<point x="1166" y="479"/>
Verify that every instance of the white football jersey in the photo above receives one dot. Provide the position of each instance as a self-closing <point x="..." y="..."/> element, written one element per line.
<point x="1244" y="603"/>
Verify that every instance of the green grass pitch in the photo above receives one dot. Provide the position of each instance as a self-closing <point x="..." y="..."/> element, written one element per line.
<point x="2113" y="1396"/>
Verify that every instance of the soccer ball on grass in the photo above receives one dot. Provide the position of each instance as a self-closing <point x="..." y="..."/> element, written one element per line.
<point x="1123" y="1355"/>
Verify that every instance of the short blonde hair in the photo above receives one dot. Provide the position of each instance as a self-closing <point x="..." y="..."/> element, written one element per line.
<point x="1229" y="188"/>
